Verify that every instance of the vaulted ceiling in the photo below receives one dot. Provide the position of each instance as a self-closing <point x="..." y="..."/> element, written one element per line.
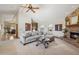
<point x="52" y="13"/>
<point x="55" y="11"/>
<point x="9" y="8"/>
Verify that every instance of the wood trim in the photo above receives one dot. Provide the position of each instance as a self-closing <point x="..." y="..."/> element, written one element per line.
<point x="78" y="19"/>
<point x="16" y="30"/>
<point x="72" y="25"/>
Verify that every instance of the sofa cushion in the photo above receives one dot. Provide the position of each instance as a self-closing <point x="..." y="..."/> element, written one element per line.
<point x="28" y="34"/>
<point x="32" y="38"/>
<point x="34" y="33"/>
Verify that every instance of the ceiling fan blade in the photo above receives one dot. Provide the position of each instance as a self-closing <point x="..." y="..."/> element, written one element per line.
<point x="32" y="10"/>
<point x="35" y="8"/>
<point x="23" y="6"/>
<point x="27" y="10"/>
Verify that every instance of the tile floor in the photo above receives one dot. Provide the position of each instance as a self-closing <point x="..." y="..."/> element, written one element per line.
<point x="58" y="47"/>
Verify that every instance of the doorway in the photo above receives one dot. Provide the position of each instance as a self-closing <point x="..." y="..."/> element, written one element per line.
<point x="10" y="31"/>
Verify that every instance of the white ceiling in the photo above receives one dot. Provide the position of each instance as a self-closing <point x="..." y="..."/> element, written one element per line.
<point x="9" y="8"/>
<point x="51" y="13"/>
<point x="54" y="11"/>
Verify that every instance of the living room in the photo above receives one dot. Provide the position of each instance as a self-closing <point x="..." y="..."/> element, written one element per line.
<point x="24" y="22"/>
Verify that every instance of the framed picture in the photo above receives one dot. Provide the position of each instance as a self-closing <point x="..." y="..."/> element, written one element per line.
<point x="74" y="20"/>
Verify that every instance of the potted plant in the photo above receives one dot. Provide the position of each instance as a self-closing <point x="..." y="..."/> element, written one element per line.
<point x="65" y="32"/>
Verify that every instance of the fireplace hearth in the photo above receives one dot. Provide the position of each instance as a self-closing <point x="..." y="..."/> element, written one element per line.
<point x="72" y="34"/>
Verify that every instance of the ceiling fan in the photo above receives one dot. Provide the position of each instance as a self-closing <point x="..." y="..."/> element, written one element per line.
<point x="30" y="7"/>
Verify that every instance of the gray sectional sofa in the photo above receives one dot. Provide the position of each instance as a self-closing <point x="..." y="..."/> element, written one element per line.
<point x="32" y="36"/>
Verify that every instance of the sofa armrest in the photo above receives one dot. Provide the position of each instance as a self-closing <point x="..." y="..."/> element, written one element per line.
<point x="22" y="39"/>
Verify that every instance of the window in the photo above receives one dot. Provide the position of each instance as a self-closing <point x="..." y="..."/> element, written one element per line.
<point x="58" y="27"/>
<point x="27" y="26"/>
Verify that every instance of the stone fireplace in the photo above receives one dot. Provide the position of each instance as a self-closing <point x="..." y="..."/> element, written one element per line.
<point x="72" y="23"/>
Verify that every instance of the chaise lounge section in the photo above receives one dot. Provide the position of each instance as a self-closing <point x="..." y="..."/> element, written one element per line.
<point x="29" y="37"/>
